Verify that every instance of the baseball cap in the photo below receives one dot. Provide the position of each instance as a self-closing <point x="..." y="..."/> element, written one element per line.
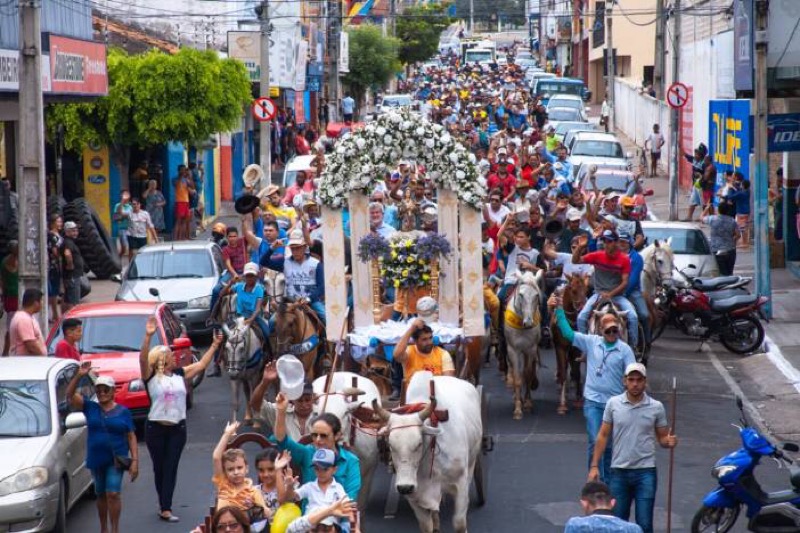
<point x="296" y="238"/>
<point x="609" y="235"/>
<point x="70" y="225"/>
<point x="105" y="381"/>
<point x="625" y="236"/>
<point x="636" y="367"/>
<point x="324" y="457"/>
<point x="627" y="201"/>
<point x="250" y="268"/>
<point x="574" y="214"/>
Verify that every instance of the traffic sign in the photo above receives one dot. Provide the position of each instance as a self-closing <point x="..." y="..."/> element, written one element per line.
<point x="677" y="95"/>
<point x="264" y="109"/>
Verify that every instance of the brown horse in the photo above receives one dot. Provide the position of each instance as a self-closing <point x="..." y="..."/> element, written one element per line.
<point x="568" y="358"/>
<point x="298" y="332"/>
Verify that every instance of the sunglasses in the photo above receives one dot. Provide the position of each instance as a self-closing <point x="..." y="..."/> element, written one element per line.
<point x="611" y="331"/>
<point x="320" y="436"/>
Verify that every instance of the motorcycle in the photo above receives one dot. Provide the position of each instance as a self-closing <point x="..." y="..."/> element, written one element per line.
<point x="717" y="307"/>
<point x="767" y="512"/>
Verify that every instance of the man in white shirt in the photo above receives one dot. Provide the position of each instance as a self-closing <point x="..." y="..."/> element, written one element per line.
<point x="654" y="142"/>
<point x="495" y="212"/>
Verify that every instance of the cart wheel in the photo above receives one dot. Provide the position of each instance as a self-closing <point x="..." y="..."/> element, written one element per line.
<point x="479" y="476"/>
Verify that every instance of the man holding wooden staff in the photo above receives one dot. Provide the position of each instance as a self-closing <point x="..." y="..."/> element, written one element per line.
<point x="635" y="421"/>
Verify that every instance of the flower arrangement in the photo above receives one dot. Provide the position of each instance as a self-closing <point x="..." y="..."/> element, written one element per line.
<point x="404" y="262"/>
<point x="359" y="161"/>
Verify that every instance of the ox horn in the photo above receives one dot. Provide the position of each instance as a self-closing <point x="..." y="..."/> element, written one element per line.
<point x="382" y="414"/>
<point x="428" y="411"/>
<point x="352" y="391"/>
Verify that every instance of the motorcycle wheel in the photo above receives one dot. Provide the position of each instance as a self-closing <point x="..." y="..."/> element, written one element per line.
<point x="744" y="335"/>
<point x="716" y="519"/>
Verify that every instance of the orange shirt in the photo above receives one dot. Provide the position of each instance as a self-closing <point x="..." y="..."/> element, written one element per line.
<point x="437" y="362"/>
<point x="181" y="191"/>
<point x="228" y="495"/>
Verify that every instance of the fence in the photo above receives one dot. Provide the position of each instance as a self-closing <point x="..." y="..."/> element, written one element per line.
<point x="635" y="113"/>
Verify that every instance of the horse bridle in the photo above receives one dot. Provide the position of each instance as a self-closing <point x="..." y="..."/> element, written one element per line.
<point x="236" y="365"/>
<point x="659" y="278"/>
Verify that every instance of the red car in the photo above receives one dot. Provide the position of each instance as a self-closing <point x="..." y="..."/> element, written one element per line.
<point x="112" y="337"/>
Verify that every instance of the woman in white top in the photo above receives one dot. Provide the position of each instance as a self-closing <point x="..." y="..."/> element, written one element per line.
<point x="165" y="431"/>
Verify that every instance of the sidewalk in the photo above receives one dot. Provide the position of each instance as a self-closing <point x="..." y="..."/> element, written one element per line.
<point x="777" y="381"/>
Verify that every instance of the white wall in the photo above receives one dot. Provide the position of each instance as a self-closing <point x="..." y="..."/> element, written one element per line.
<point x="635" y="114"/>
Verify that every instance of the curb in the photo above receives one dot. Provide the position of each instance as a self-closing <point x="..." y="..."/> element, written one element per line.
<point x="774" y="354"/>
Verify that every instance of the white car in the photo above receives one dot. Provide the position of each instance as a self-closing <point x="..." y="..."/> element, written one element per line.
<point x="689" y="244"/>
<point x="394" y="102"/>
<point x="43" y="473"/>
<point x="595" y="148"/>
<point x="296" y="164"/>
<point x="568" y="100"/>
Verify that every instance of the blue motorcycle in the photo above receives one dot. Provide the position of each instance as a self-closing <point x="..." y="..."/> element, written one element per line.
<point x="767" y="512"/>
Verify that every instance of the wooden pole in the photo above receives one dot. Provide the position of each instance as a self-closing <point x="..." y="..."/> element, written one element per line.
<point x="329" y="381"/>
<point x="671" y="453"/>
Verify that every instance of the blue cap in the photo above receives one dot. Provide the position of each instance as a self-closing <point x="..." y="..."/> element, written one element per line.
<point x="324" y="457"/>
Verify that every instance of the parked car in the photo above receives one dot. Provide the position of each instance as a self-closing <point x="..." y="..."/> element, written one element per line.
<point x="552" y="86"/>
<point x="183" y="274"/>
<point x="43" y="473"/>
<point x="596" y="148"/>
<point x="568" y="101"/>
<point x="555" y="115"/>
<point x="569" y="136"/>
<point x="689" y="244"/>
<point x="112" y="338"/>
<point x="296" y="164"/>
<point x="537" y="77"/>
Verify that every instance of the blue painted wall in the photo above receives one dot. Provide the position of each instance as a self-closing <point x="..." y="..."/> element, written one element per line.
<point x="209" y="199"/>
<point x="238" y="163"/>
<point x="173" y="156"/>
<point x="114" y="191"/>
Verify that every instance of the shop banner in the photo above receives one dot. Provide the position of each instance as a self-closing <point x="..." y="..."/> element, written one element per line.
<point x="300" y="66"/>
<point x="335" y="282"/>
<point x="344" y="53"/>
<point x="743" y="45"/>
<point x="783" y="133"/>
<point x="97" y="182"/>
<point x="245" y="46"/>
<point x="729" y="135"/>
<point x="77" y="67"/>
<point x="9" y="71"/>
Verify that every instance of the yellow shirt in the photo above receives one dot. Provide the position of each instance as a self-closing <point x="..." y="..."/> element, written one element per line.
<point x="228" y="495"/>
<point x="437" y="362"/>
<point x="281" y="212"/>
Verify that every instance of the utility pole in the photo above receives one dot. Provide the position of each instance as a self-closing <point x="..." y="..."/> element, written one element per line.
<point x="334" y="29"/>
<point x="660" y="60"/>
<point x="31" y="189"/>
<point x="393" y="17"/>
<point x="674" y="116"/>
<point x="761" y="184"/>
<point x="265" y="133"/>
<point x="471" y="17"/>
<point x="610" y="66"/>
<point x="580" y="57"/>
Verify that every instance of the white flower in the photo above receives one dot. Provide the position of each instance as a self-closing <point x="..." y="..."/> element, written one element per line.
<point x="340" y="150"/>
<point x="387" y="140"/>
<point x="453" y="157"/>
<point x="429" y="143"/>
<point x="482" y="181"/>
<point x="420" y="131"/>
<point x="446" y="138"/>
<point x="360" y="142"/>
<point x="381" y="131"/>
<point x="460" y="174"/>
<point x="471" y="158"/>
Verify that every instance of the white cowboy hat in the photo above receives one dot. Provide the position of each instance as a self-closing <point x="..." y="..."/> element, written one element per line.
<point x="252" y="175"/>
<point x="291" y="375"/>
<point x="428" y="309"/>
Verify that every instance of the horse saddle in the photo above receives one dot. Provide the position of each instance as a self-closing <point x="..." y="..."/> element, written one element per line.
<point x="513" y="320"/>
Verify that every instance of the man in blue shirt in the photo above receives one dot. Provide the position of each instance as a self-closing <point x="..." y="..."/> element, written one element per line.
<point x="348" y="108"/>
<point x="634" y="291"/>
<point x="249" y="298"/>
<point x="606" y="359"/>
<point x="598" y="504"/>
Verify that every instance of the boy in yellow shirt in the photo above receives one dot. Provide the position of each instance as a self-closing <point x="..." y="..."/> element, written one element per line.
<point x="234" y="488"/>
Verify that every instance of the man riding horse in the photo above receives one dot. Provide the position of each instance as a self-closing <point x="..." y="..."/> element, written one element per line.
<point x="612" y="269"/>
<point x="249" y="299"/>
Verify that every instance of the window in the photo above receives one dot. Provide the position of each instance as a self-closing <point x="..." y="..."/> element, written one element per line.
<point x="62" y="382"/>
<point x="111" y="333"/>
<point x="216" y="254"/>
<point x="564" y="113"/>
<point x="170" y="264"/>
<point x="24" y="408"/>
<point x="690" y="242"/>
<point x="598" y="149"/>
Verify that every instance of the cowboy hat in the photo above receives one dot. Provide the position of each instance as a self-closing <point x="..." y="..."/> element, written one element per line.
<point x="246" y="204"/>
<point x="252" y="175"/>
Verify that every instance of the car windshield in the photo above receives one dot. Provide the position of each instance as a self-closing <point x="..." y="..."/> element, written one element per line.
<point x="474" y="55"/>
<point x="118" y="333"/>
<point x="165" y="264"/>
<point x="565" y="102"/>
<point x="556" y="87"/>
<point x="24" y="408"/>
<point x="396" y="101"/>
<point x="609" y="149"/>
<point x="564" y="127"/>
<point x="684" y="241"/>
<point x="564" y="113"/>
<point x="609" y="181"/>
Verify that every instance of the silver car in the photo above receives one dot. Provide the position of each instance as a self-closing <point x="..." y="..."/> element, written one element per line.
<point x="43" y="445"/>
<point x="689" y="244"/>
<point x="183" y="274"/>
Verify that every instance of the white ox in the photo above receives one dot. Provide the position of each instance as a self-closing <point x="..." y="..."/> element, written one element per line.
<point x="364" y="442"/>
<point x="422" y="479"/>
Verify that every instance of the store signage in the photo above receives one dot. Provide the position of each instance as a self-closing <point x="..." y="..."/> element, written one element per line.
<point x="77" y="67"/>
<point x="9" y="71"/>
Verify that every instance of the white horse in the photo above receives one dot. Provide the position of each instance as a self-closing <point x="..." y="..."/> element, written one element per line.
<point x="659" y="261"/>
<point x="244" y="362"/>
<point x="523" y="331"/>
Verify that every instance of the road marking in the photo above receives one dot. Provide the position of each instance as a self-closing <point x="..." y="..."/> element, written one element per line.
<point x="786" y="368"/>
<point x="753" y="413"/>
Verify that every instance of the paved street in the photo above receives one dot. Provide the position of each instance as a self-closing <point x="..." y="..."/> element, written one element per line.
<point x="536" y="469"/>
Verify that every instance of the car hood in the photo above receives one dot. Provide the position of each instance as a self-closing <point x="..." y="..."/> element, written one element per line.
<point x="170" y="290"/>
<point x="122" y="366"/>
<point x="706" y="265"/>
<point x="20" y="452"/>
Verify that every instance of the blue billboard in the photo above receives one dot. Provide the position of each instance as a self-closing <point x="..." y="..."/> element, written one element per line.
<point x="783" y="132"/>
<point x="730" y="136"/>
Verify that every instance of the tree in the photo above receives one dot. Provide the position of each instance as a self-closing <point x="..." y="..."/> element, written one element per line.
<point x="373" y="59"/>
<point x="419" y="29"/>
<point x="155" y="98"/>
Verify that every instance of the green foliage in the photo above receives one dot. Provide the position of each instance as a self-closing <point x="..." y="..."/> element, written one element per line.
<point x="419" y="30"/>
<point x="373" y="58"/>
<point x="155" y="98"/>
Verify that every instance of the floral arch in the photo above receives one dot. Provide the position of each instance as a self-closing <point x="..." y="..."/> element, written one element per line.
<point x="355" y="168"/>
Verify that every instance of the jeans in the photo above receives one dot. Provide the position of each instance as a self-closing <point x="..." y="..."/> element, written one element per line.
<point x="165" y="444"/>
<point x="319" y="309"/>
<point x="593" y="412"/>
<point x="637" y="299"/>
<point x="638" y="485"/>
<point x="223" y="279"/>
<point x="107" y="479"/>
<point x="624" y="305"/>
<point x="726" y="262"/>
